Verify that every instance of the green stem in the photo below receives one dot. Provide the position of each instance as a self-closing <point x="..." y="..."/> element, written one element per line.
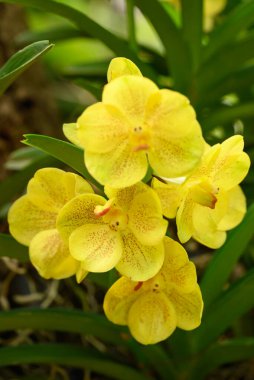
<point x="131" y="25"/>
<point x="68" y="355"/>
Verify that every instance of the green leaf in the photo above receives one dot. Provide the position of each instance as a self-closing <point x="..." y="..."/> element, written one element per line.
<point x="233" y="83"/>
<point x="70" y="356"/>
<point x="85" y="24"/>
<point x="88" y="323"/>
<point x="227" y="114"/>
<point x="20" y="61"/>
<point x="65" y="152"/>
<point x="192" y="27"/>
<point x="156" y="357"/>
<point x="225" y="258"/>
<point x="93" y="87"/>
<point x="240" y="18"/>
<point x="56" y="33"/>
<point x="232" y="304"/>
<point x="227" y="61"/>
<point x="22" y="157"/>
<point x="91" y="69"/>
<point x="9" y="247"/>
<point x="230" y="351"/>
<point x="68" y="320"/>
<point x="16" y="183"/>
<point x="176" y="53"/>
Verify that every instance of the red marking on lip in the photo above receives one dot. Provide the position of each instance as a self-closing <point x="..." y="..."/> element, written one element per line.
<point x="101" y="213"/>
<point x="138" y="286"/>
<point x="213" y="202"/>
<point x="141" y="147"/>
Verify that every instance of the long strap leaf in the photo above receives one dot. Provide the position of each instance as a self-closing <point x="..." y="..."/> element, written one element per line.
<point x="234" y="83"/>
<point x="222" y="353"/>
<point x="70" y="356"/>
<point x="225" y="258"/>
<point x="227" y="61"/>
<point x="232" y="304"/>
<point x="15" y="184"/>
<point x="20" y="61"/>
<point x="88" y="26"/>
<point x="240" y="18"/>
<point x="88" y="323"/>
<point x="192" y="24"/>
<point x="63" y="151"/>
<point x="61" y="320"/>
<point x="175" y="49"/>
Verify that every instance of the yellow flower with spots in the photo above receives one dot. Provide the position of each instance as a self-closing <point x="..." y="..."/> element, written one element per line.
<point x="211" y="9"/>
<point x="135" y="125"/>
<point x="32" y="221"/>
<point x="209" y="202"/>
<point x="154" y="308"/>
<point x="125" y="232"/>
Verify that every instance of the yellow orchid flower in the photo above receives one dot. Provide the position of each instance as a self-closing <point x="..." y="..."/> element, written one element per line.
<point x="209" y="202"/>
<point x="154" y="308"/>
<point x="211" y="9"/>
<point x="32" y="221"/>
<point x="137" y="123"/>
<point x="125" y="232"/>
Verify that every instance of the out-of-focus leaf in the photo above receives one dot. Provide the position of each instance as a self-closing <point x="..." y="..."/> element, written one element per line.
<point x="175" y="49"/>
<point x="227" y="114"/>
<point x="63" y="151"/>
<point x="227" y="61"/>
<point x="94" y="88"/>
<point x="85" y="24"/>
<point x="192" y="24"/>
<point x="232" y="304"/>
<point x="68" y="320"/>
<point x="240" y="18"/>
<point x="225" y="258"/>
<point x="22" y="157"/>
<point x="91" y="69"/>
<point x="9" y="247"/>
<point x="54" y="34"/>
<point x="15" y="183"/>
<point x="222" y="353"/>
<point x="20" y="61"/>
<point x="68" y="355"/>
<point x="156" y="357"/>
<point x="233" y="83"/>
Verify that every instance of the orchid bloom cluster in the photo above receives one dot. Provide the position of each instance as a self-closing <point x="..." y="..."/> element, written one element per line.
<point x="72" y="230"/>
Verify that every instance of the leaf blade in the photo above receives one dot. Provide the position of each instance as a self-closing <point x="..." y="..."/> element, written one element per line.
<point x="192" y="27"/>
<point x="9" y="247"/>
<point x="16" y="183"/>
<point x="63" y="151"/>
<point x="233" y="350"/>
<point x="20" y="61"/>
<point x="240" y="18"/>
<point x="86" y="25"/>
<point x="175" y="49"/>
<point x="232" y="304"/>
<point x="225" y="258"/>
<point x="68" y="355"/>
